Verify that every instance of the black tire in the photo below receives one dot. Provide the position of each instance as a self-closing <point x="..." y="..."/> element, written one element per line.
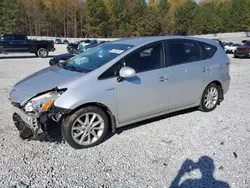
<point x="202" y="106"/>
<point x="42" y="52"/>
<point x="235" y="56"/>
<point x="67" y="124"/>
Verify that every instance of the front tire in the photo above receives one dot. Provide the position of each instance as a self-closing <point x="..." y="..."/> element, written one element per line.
<point x="210" y="98"/>
<point x="42" y="52"/>
<point x="85" y="128"/>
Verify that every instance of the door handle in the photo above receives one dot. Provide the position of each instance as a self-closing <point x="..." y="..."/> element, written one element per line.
<point x="163" y="79"/>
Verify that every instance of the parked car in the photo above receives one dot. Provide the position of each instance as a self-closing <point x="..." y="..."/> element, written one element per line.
<point x="232" y="48"/>
<point x="58" y="41"/>
<point x="65" y="41"/>
<point x="87" y="42"/>
<point x="229" y="44"/>
<point x="243" y="50"/>
<point x="17" y="43"/>
<point x="119" y="83"/>
<point x="72" y="47"/>
<point x="63" y="57"/>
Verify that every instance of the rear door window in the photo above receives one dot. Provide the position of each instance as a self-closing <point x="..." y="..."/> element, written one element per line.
<point x="209" y="50"/>
<point x="183" y="51"/>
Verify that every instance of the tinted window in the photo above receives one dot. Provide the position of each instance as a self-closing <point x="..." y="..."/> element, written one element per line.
<point x="183" y="51"/>
<point x="208" y="49"/>
<point x="18" y="37"/>
<point x="113" y="71"/>
<point x="7" y="37"/>
<point x="148" y="58"/>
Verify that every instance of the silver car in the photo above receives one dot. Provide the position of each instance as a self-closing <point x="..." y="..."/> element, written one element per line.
<point x="120" y="83"/>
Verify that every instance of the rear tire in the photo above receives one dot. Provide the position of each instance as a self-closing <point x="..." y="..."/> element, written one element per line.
<point x="210" y="98"/>
<point x="42" y="52"/>
<point x="85" y="128"/>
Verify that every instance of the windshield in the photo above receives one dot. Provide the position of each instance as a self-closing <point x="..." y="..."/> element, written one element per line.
<point x="96" y="57"/>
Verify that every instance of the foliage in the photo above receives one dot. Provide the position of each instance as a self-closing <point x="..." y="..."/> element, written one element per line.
<point x="123" y="18"/>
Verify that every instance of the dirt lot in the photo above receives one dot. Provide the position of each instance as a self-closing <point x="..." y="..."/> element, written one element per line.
<point x="149" y="154"/>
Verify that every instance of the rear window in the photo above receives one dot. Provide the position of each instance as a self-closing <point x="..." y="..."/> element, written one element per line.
<point x="209" y="50"/>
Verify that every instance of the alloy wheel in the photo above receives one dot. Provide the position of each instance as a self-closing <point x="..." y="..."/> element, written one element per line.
<point x="87" y="129"/>
<point x="211" y="97"/>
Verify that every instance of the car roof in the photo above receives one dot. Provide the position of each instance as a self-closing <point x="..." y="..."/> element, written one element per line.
<point x="135" y="41"/>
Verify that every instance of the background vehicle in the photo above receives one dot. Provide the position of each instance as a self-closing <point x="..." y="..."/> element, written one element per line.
<point x="12" y="43"/>
<point x="86" y="96"/>
<point x="65" y="41"/>
<point x="232" y="48"/>
<point x="243" y="50"/>
<point x="227" y="45"/>
<point x="87" y="42"/>
<point x="58" y="41"/>
<point x="64" y="57"/>
<point x="72" y="47"/>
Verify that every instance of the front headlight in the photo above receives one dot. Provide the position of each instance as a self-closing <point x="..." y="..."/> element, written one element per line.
<point x="42" y="102"/>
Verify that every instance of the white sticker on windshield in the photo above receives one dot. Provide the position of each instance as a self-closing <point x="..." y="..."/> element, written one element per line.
<point x="116" y="51"/>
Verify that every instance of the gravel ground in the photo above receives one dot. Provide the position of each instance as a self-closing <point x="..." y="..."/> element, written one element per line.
<point x="149" y="154"/>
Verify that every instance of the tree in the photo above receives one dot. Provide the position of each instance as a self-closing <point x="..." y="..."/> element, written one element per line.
<point x="207" y="20"/>
<point x="184" y="16"/>
<point x="239" y="15"/>
<point x="97" y="19"/>
<point x="11" y="17"/>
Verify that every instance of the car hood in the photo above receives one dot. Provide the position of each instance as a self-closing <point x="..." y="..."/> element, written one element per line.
<point x="41" y="81"/>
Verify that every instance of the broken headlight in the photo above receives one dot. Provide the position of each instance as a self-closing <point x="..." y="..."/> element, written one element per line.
<point x="41" y="103"/>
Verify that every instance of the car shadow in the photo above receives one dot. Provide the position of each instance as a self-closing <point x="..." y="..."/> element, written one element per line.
<point x="206" y="167"/>
<point x="23" y="57"/>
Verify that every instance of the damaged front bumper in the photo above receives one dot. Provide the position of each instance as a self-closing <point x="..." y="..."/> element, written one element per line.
<point x="28" y="125"/>
<point x="36" y="126"/>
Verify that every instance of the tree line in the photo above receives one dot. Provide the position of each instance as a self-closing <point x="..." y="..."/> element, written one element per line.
<point x="123" y="18"/>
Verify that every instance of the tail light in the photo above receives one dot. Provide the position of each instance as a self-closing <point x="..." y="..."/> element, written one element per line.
<point x="53" y="44"/>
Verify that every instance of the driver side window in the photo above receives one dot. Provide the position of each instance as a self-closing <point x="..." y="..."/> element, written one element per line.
<point x="145" y="59"/>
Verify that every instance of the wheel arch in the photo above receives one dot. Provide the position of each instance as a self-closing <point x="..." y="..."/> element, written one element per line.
<point x="221" y="93"/>
<point x="110" y="114"/>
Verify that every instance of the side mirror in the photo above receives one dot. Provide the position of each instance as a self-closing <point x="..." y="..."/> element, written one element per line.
<point x="127" y="72"/>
